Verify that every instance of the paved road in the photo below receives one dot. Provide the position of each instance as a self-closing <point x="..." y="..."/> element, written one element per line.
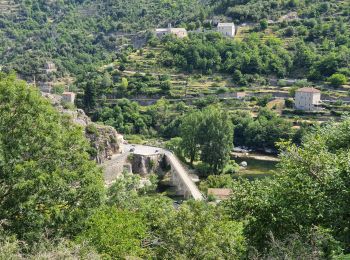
<point x="142" y="149"/>
<point x="175" y="163"/>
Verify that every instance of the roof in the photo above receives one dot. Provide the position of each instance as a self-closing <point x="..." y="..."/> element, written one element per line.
<point x="178" y="30"/>
<point x="68" y="93"/>
<point x="225" y="24"/>
<point x="308" y="90"/>
<point x="162" y="29"/>
<point x="220" y="193"/>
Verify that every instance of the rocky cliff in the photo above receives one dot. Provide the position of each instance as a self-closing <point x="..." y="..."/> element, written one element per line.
<point x="105" y="140"/>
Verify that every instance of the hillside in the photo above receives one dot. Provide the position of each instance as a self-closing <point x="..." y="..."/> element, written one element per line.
<point x="77" y="35"/>
<point x="255" y="125"/>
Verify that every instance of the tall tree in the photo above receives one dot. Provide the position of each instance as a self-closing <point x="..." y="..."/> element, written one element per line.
<point x="48" y="184"/>
<point x="189" y="134"/>
<point x="215" y="136"/>
<point x="90" y="94"/>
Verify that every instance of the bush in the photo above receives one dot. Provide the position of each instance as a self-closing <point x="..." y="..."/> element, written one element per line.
<point x="115" y="232"/>
<point x="231" y="168"/>
<point x="222" y="90"/>
<point x="91" y="129"/>
<point x="337" y="79"/>
<point x="289" y="103"/>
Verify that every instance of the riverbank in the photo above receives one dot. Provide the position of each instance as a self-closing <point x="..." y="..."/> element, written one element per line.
<point x="255" y="156"/>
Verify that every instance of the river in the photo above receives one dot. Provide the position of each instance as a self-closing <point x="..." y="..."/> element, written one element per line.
<point x="259" y="165"/>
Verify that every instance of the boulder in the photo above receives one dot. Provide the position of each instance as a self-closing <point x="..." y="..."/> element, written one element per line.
<point x="244" y="164"/>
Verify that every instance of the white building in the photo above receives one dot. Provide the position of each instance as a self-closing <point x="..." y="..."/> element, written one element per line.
<point x="227" y="29"/>
<point x="307" y="99"/>
<point x="178" y="32"/>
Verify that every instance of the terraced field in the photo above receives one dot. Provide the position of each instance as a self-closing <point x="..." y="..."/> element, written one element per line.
<point x="8" y="7"/>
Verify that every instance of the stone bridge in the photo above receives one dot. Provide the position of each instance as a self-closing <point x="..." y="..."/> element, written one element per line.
<point x="180" y="178"/>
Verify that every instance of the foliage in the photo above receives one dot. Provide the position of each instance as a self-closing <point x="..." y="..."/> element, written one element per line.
<point x="212" y="52"/>
<point x="184" y="234"/>
<point x="79" y="35"/>
<point x="12" y="249"/>
<point x="175" y="145"/>
<point x="309" y="189"/>
<point x="319" y="244"/>
<point x="115" y="232"/>
<point x="217" y="181"/>
<point x="48" y="185"/>
<point x="337" y="79"/>
<point x="208" y="132"/>
<point x="262" y="132"/>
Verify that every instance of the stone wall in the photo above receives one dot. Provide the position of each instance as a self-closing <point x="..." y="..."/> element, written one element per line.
<point x="146" y="164"/>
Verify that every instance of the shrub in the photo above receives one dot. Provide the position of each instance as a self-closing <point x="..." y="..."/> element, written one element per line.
<point x="91" y="129"/>
<point x="337" y="79"/>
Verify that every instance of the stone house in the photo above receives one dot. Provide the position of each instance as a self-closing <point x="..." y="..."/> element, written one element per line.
<point x="50" y="67"/>
<point x="45" y="87"/>
<point x="68" y="97"/>
<point x="227" y="29"/>
<point x="178" y="32"/>
<point x="307" y="99"/>
<point x="240" y="95"/>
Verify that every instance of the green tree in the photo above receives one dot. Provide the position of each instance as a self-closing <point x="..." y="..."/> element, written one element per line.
<point x="310" y="188"/>
<point x="89" y="99"/>
<point x="176" y="145"/>
<point x="216" y="138"/>
<point x="199" y="231"/>
<point x="263" y="24"/>
<point x="48" y="185"/>
<point x="337" y="80"/>
<point x="189" y="134"/>
<point x="115" y="233"/>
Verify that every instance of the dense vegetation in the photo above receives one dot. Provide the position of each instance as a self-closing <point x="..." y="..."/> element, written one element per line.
<point x="48" y="183"/>
<point x="53" y="203"/>
<point x="77" y="35"/>
<point x="53" y="200"/>
<point x="212" y="52"/>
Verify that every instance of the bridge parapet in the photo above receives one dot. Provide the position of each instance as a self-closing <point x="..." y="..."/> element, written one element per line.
<point x="180" y="178"/>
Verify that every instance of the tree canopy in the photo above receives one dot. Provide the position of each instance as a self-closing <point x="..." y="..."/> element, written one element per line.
<point x="48" y="184"/>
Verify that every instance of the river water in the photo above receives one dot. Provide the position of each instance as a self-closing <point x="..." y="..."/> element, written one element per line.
<point x="257" y="168"/>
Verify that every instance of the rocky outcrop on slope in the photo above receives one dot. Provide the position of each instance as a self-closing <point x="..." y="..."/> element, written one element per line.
<point x="105" y="140"/>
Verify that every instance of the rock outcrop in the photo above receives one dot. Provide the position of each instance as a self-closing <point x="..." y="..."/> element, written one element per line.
<point x="105" y="140"/>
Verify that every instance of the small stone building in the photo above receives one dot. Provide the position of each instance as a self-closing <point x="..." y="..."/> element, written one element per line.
<point x="45" y="87"/>
<point x="227" y="29"/>
<point x="178" y="32"/>
<point x="50" y="67"/>
<point x="307" y="99"/>
<point x="240" y="95"/>
<point x="68" y="97"/>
